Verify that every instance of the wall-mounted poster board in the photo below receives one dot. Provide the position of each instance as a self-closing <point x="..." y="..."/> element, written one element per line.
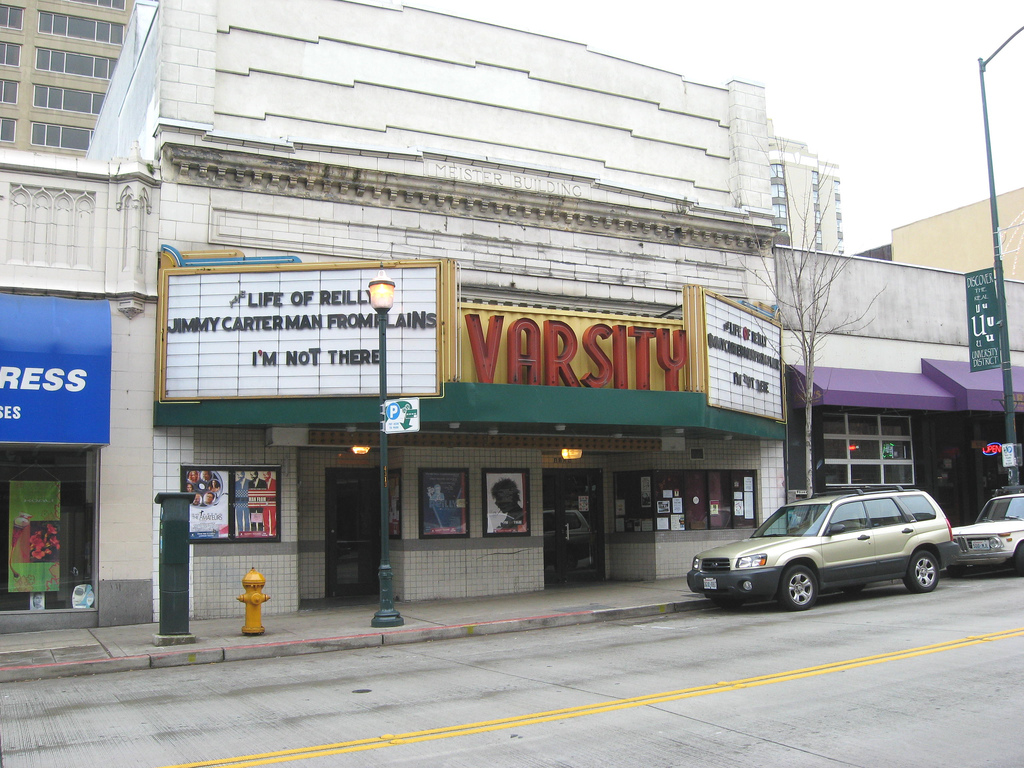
<point x="233" y="503"/>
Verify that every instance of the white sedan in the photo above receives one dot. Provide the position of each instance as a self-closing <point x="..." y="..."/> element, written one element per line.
<point x="996" y="538"/>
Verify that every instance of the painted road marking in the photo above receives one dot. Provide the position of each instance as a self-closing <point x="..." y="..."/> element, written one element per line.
<point x="393" y="740"/>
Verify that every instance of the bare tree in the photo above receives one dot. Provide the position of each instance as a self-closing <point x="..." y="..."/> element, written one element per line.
<point x="801" y="277"/>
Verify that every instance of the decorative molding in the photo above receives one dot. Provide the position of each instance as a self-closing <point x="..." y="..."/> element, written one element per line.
<point x="131" y="308"/>
<point x="247" y="172"/>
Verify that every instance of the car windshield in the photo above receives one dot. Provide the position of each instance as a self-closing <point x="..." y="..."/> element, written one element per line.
<point x="793" y="520"/>
<point x="1002" y="508"/>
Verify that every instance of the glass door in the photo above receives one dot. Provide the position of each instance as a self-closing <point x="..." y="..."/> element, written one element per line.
<point x="573" y="526"/>
<point x="353" y="531"/>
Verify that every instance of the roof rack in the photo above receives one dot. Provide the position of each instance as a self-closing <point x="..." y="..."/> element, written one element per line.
<point x="859" y="490"/>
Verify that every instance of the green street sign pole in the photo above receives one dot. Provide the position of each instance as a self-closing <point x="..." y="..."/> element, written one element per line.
<point x="1004" y="330"/>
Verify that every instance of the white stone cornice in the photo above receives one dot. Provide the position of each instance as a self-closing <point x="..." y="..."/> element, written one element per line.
<point x="291" y="177"/>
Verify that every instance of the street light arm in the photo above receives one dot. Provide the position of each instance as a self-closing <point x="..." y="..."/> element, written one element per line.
<point x="984" y="62"/>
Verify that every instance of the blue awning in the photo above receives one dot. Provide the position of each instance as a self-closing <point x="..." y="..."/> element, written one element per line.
<point x="54" y="370"/>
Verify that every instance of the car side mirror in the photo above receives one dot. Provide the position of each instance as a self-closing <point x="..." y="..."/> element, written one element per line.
<point x="835" y="528"/>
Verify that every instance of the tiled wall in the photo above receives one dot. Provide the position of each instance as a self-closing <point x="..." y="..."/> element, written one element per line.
<point x="423" y="568"/>
<point x="216" y="569"/>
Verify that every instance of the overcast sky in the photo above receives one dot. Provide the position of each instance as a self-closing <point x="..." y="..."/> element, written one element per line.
<point x="889" y="91"/>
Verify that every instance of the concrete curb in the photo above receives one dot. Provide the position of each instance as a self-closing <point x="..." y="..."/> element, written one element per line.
<point x="195" y="656"/>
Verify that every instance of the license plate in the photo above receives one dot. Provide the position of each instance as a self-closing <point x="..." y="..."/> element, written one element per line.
<point x="978" y="544"/>
<point x="710" y="583"/>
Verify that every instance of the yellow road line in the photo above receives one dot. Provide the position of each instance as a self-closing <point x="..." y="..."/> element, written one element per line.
<point x="390" y="740"/>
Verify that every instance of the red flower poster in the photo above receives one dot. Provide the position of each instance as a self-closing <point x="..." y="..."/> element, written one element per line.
<point x="34" y="536"/>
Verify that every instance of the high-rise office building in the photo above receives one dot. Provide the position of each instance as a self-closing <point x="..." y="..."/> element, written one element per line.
<point x="805" y="196"/>
<point x="56" y="59"/>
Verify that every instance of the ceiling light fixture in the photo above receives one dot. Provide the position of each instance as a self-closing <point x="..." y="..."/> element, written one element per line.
<point x="360" y="450"/>
<point x="571" y="453"/>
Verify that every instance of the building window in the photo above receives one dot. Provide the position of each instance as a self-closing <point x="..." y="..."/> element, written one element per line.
<point x="74" y="63"/>
<point x="867" y="450"/>
<point x="814" y="178"/>
<point x="49" y="557"/>
<point x="81" y="29"/>
<point x="9" y="91"/>
<point x="68" y="100"/>
<point x="777" y="170"/>
<point x="6" y="129"/>
<point x="47" y="135"/>
<point x="819" y="241"/>
<point x="11" y="17"/>
<point x="10" y="54"/>
<point x="117" y="5"/>
<point x="779" y="191"/>
<point x="780" y="211"/>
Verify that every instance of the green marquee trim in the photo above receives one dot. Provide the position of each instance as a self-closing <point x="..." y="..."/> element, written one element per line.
<point x="493" y="403"/>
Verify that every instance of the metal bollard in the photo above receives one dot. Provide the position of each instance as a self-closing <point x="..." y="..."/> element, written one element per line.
<point x="254" y="599"/>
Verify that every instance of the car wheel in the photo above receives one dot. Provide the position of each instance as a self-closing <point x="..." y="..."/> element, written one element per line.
<point x="922" y="573"/>
<point x="729" y="603"/>
<point x="1018" y="560"/>
<point x="798" y="590"/>
<point x="956" y="571"/>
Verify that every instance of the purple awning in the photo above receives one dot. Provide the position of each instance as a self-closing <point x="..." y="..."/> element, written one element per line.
<point x="980" y="391"/>
<point x="942" y="385"/>
<point x="875" y="389"/>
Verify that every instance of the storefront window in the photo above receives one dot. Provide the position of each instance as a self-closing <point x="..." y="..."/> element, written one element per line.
<point x="47" y="507"/>
<point x="685" y="500"/>
<point x="863" y="449"/>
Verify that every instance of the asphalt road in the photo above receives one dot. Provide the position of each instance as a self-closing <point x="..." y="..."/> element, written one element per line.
<point x="885" y="678"/>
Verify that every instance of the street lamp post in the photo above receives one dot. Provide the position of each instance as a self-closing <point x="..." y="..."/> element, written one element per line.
<point x="382" y="298"/>
<point x="1004" y="330"/>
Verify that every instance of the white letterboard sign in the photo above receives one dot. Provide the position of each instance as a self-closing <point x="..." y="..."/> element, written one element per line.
<point x="294" y="332"/>
<point x="744" y="360"/>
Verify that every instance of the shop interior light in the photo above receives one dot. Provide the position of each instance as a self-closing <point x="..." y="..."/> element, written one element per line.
<point x="360" y="450"/>
<point x="572" y="453"/>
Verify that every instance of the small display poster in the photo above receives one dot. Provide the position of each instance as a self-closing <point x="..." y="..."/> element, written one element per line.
<point x="443" y="504"/>
<point x="34" y="537"/>
<point x="506" y="507"/>
<point x="233" y="503"/>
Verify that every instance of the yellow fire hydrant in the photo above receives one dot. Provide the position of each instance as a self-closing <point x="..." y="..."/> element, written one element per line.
<point x="254" y="599"/>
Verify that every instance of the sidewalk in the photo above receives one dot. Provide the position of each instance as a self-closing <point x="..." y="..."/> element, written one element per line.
<point x="70" y="652"/>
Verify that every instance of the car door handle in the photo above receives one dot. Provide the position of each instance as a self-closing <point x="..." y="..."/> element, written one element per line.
<point x="863" y="537"/>
<point x="907" y="530"/>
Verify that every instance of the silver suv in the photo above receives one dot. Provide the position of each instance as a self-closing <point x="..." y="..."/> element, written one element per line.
<point x="830" y="543"/>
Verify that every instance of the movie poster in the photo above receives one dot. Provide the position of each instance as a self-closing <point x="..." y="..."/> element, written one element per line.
<point x="233" y="503"/>
<point x="443" y="509"/>
<point x="208" y="510"/>
<point x="34" y="561"/>
<point x="256" y="503"/>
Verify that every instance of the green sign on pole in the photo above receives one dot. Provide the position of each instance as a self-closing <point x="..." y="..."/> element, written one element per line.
<point x="982" y="316"/>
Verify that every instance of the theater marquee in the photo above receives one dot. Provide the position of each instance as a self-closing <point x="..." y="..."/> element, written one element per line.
<point x="509" y="345"/>
<point x="300" y="330"/>
<point x="744" y="368"/>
